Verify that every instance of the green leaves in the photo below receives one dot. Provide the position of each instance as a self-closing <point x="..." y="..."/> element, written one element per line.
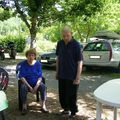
<point x="5" y="14"/>
<point x="83" y="7"/>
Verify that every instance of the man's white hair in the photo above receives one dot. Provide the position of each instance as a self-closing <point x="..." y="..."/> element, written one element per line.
<point x="66" y="29"/>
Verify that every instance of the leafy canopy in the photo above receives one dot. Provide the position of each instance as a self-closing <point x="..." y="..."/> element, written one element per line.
<point x="5" y="14"/>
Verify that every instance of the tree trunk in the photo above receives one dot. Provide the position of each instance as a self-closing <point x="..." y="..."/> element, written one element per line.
<point x="87" y="33"/>
<point x="33" y="32"/>
<point x="33" y="38"/>
<point x="31" y="26"/>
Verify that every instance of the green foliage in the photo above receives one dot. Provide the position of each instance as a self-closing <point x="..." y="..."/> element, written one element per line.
<point x="86" y="7"/>
<point x="81" y="8"/>
<point x="18" y="40"/>
<point x="45" y="46"/>
<point x="12" y="26"/>
<point x="13" y="29"/>
<point x="42" y="45"/>
<point x="52" y="33"/>
<point x="110" y="15"/>
<point x="105" y="17"/>
<point x="48" y="17"/>
<point x="5" y="14"/>
<point x="36" y="13"/>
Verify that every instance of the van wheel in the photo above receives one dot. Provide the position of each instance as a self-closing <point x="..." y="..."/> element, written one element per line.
<point x="118" y="69"/>
<point x="2" y="56"/>
<point x="88" y="68"/>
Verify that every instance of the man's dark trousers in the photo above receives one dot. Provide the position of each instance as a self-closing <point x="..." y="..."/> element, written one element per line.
<point x="68" y="95"/>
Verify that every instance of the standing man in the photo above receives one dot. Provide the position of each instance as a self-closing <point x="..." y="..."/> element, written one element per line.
<point x="68" y="71"/>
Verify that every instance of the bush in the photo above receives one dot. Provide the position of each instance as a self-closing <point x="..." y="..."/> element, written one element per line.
<point x="44" y="45"/>
<point x="5" y="14"/>
<point x="19" y="41"/>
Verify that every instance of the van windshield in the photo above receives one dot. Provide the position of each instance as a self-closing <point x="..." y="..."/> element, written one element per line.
<point x="116" y="46"/>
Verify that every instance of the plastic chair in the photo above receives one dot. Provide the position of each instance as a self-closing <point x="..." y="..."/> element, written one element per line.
<point x="4" y="79"/>
<point x="19" y="85"/>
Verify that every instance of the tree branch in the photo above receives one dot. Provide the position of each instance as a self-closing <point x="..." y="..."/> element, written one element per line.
<point x="21" y="13"/>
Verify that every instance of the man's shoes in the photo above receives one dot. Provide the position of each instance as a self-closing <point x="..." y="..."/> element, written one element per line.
<point x="44" y="110"/>
<point x="73" y="115"/>
<point x="65" y="112"/>
<point x="24" y="112"/>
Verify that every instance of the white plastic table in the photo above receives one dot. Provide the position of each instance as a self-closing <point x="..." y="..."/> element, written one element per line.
<point x="108" y="94"/>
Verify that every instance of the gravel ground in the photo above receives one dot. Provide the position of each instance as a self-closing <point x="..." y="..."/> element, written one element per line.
<point x="90" y="80"/>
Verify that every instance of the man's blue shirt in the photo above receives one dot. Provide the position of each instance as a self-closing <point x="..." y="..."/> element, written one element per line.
<point x="69" y="55"/>
<point x="30" y="72"/>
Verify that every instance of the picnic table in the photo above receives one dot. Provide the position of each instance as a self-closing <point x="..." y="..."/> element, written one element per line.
<point x="108" y="94"/>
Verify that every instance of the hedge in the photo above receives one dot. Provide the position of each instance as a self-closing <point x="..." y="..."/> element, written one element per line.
<point x="19" y="41"/>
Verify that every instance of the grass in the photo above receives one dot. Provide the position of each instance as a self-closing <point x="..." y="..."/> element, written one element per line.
<point x="115" y="75"/>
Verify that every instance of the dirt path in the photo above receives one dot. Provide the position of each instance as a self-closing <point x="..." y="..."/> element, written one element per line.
<point x="86" y="103"/>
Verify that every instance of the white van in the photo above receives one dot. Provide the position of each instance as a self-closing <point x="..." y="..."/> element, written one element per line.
<point x="103" y="53"/>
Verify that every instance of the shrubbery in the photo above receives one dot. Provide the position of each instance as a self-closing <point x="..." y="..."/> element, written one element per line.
<point x="21" y="46"/>
<point x="45" y="46"/>
<point x="42" y="45"/>
<point x="5" y="14"/>
<point x="19" y="41"/>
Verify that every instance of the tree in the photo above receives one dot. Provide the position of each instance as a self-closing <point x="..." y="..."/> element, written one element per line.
<point x="80" y="15"/>
<point x="36" y="13"/>
<point x="82" y="8"/>
<point x="5" y="14"/>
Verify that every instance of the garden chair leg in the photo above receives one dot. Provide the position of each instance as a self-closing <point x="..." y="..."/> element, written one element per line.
<point x="37" y="96"/>
<point x="115" y="113"/>
<point x="2" y="117"/>
<point x="99" y="110"/>
<point x="19" y="100"/>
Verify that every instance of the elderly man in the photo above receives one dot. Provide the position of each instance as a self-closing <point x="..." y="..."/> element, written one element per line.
<point x="69" y="68"/>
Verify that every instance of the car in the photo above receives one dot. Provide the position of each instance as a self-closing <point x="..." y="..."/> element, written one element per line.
<point x="48" y="59"/>
<point x="103" y="53"/>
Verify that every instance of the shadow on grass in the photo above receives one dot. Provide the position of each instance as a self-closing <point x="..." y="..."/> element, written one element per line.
<point x="12" y="113"/>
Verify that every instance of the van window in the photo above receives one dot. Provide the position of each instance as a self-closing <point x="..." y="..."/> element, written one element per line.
<point x="89" y="47"/>
<point x="105" y="46"/>
<point x="97" y="46"/>
<point x="116" y="46"/>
